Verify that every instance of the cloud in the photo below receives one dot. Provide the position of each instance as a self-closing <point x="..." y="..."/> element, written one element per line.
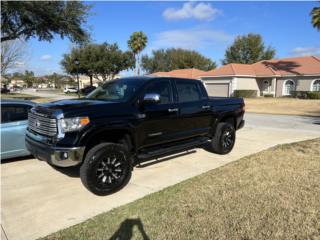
<point x="191" y="39"/>
<point x="20" y="64"/>
<point x="46" y="57"/>
<point x="305" y="51"/>
<point x="199" y="11"/>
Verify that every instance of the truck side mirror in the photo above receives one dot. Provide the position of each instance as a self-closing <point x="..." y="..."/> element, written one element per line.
<point x="151" y="98"/>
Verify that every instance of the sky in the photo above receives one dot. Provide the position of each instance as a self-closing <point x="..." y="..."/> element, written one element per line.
<point x="208" y="27"/>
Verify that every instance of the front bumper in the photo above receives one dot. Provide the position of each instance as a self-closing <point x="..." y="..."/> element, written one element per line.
<point x="57" y="156"/>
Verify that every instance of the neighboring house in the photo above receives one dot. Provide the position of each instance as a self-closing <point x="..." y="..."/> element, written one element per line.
<point x="277" y="77"/>
<point x="85" y="81"/>
<point x="17" y="82"/>
<point x="182" y="73"/>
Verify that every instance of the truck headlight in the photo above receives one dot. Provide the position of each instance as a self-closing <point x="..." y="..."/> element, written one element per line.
<point x="74" y="124"/>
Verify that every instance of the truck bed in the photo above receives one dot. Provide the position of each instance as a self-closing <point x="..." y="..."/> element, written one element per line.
<point x="223" y="101"/>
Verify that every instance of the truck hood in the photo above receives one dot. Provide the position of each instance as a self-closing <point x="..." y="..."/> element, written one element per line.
<point x="83" y="107"/>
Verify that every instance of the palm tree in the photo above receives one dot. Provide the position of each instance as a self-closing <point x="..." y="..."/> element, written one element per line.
<point x="137" y="42"/>
<point x="315" y="13"/>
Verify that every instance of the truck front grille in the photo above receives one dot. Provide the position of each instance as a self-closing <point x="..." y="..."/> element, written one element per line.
<point x="42" y="124"/>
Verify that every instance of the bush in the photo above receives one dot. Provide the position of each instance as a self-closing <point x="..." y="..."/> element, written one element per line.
<point x="305" y="94"/>
<point x="313" y="95"/>
<point x="299" y="94"/>
<point x="245" y="93"/>
<point x="268" y="95"/>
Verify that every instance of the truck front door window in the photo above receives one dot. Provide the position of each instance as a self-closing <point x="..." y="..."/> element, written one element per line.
<point x="163" y="89"/>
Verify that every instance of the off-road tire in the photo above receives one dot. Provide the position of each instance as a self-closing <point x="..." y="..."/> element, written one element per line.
<point x="224" y="139"/>
<point x="106" y="169"/>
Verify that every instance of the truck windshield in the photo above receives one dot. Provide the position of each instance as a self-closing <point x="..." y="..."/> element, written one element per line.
<point x="118" y="90"/>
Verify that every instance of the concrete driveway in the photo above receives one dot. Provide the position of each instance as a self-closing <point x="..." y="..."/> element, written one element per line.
<point x="38" y="200"/>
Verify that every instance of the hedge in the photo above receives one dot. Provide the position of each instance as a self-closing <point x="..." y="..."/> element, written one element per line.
<point x="245" y="93"/>
<point x="305" y="94"/>
<point x="313" y="95"/>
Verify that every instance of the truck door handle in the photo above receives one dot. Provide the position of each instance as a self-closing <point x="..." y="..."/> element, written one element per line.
<point x="206" y="107"/>
<point x="173" y="109"/>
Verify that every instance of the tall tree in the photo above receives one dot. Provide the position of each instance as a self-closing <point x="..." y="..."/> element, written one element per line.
<point x="55" y="79"/>
<point x="137" y="42"/>
<point x="315" y="13"/>
<point x="248" y="49"/>
<point x="100" y="61"/>
<point x="12" y="53"/>
<point x="29" y="78"/>
<point x="164" y="60"/>
<point x="44" y="19"/>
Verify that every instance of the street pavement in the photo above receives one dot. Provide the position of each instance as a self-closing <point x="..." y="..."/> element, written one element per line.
<point x="38" y="200"/>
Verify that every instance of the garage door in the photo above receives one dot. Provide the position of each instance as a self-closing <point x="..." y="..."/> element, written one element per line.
<point x="218" y="89"/>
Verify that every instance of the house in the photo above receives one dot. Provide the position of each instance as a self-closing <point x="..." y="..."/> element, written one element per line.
<point x="181" y="73"/>
<point x="84" y="80"/>
<point x="277" y="77"/>
<point x="17" y="82"/>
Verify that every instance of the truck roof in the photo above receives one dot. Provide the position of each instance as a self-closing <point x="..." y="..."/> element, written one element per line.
<point x="150" y="78"/>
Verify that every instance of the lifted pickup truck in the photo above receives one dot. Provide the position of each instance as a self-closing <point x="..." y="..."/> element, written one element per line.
<point x="128" y="121"/>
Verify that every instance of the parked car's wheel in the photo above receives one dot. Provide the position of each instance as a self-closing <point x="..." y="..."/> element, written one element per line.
<point x="106" y="169"/>
<point x="224" y="139"/>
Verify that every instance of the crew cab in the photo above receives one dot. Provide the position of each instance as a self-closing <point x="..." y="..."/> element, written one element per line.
<point x="130" y="120"/>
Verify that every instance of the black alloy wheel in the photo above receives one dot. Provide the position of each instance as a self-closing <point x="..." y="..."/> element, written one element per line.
<point x="224" y="139"/>
<point x="106" y="169"/>
<point x="228" y="137"/>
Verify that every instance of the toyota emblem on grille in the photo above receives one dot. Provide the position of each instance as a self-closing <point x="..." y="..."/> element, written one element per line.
<point x="38" y="123"/>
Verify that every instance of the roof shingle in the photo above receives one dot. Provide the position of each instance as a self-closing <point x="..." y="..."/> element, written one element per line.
<point x="275" y="67"/>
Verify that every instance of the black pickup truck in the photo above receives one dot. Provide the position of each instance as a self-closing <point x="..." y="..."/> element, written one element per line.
<point x="128" y="121"/>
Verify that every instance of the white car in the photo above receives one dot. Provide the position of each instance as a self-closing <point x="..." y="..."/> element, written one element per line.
<point x="70" y="90"/>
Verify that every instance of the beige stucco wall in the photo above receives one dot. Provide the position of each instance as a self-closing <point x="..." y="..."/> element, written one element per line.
<point x="302" y="83"/>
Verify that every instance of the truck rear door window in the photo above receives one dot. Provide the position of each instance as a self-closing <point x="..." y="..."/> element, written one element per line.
<point x="188" y="91"/>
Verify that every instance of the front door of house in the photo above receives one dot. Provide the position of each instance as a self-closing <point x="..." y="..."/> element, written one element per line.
<point x="266" y="86"/>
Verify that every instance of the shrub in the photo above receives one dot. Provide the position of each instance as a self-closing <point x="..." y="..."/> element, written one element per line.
<point x="245" y="93"/>
<point x="313" y="95"/>
<point x="305" y="94"/>
<point x="268" y="95"/>
<point x="299" y="94"/>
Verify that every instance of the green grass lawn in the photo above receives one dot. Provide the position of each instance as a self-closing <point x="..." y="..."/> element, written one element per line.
<point x="274" y="194"/>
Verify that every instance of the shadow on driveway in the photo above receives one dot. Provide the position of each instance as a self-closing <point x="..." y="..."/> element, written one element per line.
<point x="16" y="159"/>
<point x="73" y="172"/>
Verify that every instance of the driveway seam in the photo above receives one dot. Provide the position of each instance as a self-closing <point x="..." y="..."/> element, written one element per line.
<point x="4" y="232"/>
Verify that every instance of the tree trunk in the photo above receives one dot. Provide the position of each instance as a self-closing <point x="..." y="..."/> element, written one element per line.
<point x="135" y="65"/>
<point x="91" y="80"/>
<point x="138" y="63"/>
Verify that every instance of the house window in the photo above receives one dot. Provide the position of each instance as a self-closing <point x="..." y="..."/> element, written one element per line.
<point x="288" y="86"/>
<point x="315" y="86"/>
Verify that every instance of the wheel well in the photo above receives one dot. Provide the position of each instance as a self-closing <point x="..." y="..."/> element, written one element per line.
<point x="231" y="120"/>
<point x="113" y="136"/>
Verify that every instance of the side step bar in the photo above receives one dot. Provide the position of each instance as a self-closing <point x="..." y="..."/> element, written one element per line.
<point x="173" y="149"/>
